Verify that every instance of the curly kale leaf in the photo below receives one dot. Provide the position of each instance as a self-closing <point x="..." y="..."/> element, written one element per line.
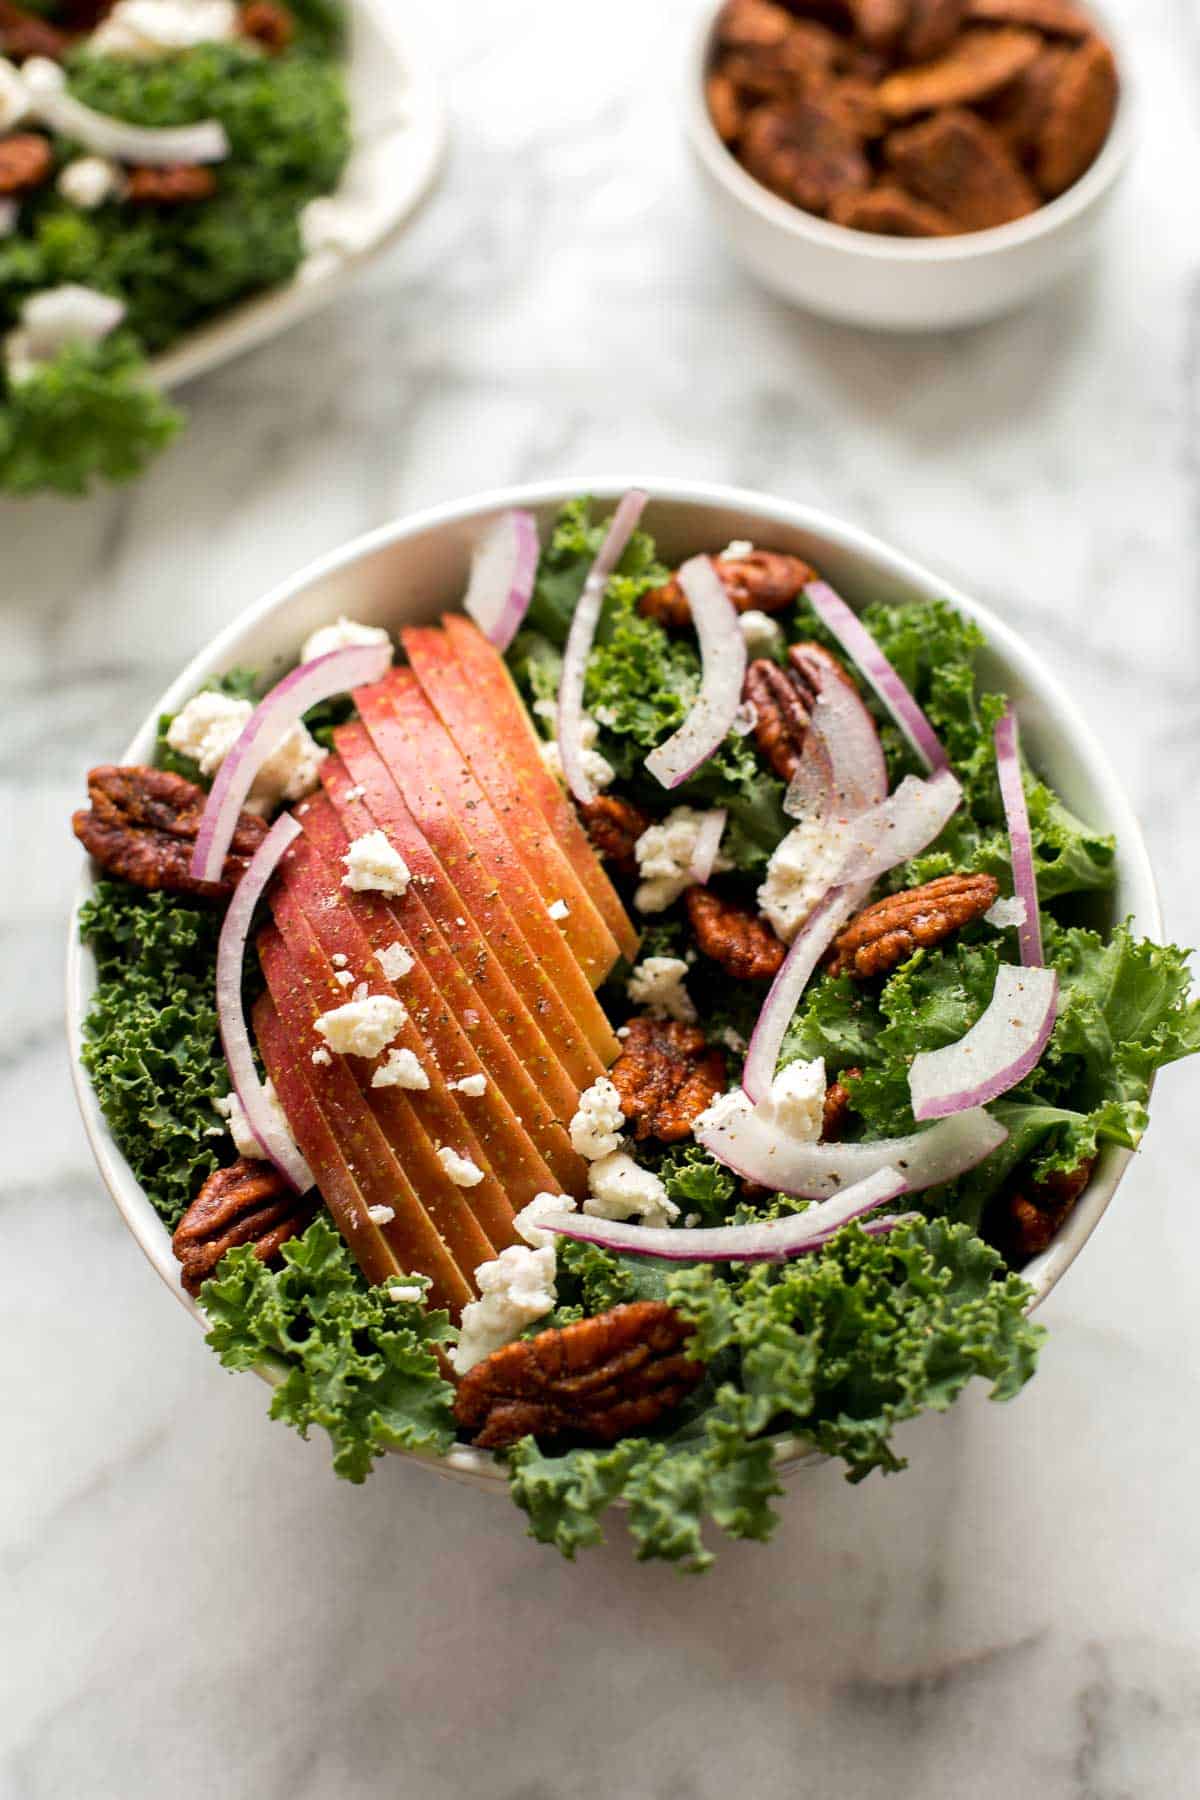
<point x="88" y="415"/>
<point x="564" y="564"/>
<point x="150" y="1038"/>
<point x="350" y="1359"/>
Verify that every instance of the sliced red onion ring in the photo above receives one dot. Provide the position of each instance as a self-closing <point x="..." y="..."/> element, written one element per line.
<point x="762" y="1153"/>
<point x="579" y="643"/>
<point x="777" y="1240"/>
<point x="810" y="792"/>
<point x="503" y="569"/>
<point x="264" y="731"/>
<point x="235" y="1038"/>
<point x="858" y="643"/>
<point x="900" y="827"/>
<point x="708" y="842"/>
<point x="779" y="1007"/>
<point x="1007" y="740"/>
<point x="723" y="671"/>
<point x="1002" y="1047"/>
<point x="843" y="744"/>
<point x="156" y="145"/>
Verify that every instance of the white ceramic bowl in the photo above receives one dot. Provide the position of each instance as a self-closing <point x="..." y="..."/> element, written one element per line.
<point x="411" y="570"/>
<point x="899" y="284"/>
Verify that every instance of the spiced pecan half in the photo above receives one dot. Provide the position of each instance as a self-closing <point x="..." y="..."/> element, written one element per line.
<point x="725" y="105"/>
<point x="614" y="827"/>
<point x="597" y="1380"/>
<point x="666" y="1075"/>
<point x="1024" y="1221"/>
<point x="782" y="701"/>
<point x="762" y="581"/>
<point x="178" y="185"/>
<point x="956" y="162"/>
<point x="932" y="27"/>
<point x="880" y="23"/>
<point x="247" y="1203"/>
<point x="1019" y="112"/>
<point x="882" y="936"/>
<point x="838" y="1106"/>
<point x="735" y="936"/>
<point x="23" y="34"/>
<point x="1080" y="117"/>
<point x="26" y="161"/>
<point x="890" y="212"/>
<point x="269" y="24"/>
<point x="142" y="825"/>
<point x="806" y="150"/>
<point x="1057" y="18"/>
<point x="976" y="65"/>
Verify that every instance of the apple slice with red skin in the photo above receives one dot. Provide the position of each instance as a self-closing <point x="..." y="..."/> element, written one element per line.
<point x="449" y="1206"/>
<point x="489" y="966"/>
<point x="498" y="717"/>
<point x="473" y="847"/>
<point x="508" y="1146"/>
<point x="410" y="1235"/>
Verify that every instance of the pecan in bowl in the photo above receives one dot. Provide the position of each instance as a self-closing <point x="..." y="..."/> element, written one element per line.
<point x="247" y="1203"/>
<point x="760" y="581"/>
<point x="141" y="827"/>
<point x="734" y="936"/>
<point x="881" y="937"/>
<point x="666" y="1075"/>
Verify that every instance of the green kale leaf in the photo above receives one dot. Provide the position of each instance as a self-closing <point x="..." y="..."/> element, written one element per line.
<point x="88" y="415"/>
<point x="564" y="564"/>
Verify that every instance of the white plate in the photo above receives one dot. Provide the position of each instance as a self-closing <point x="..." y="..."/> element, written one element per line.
<point x="411" y="570"/>
<point x="398" y="120"/>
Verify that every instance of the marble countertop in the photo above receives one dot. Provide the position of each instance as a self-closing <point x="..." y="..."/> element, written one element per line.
<point x="190" y="1604"/>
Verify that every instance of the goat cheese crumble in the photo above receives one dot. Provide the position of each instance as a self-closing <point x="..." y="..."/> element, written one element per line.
<point x="474" y="1086"/>
<point x="559" y="910"/>
<point x="381" y="1215"/>
<point x="542" y="1205"/>
<point x="362" y="1027"/>
<point x="461" y="1170"/>
<point x="518" y="1287"/>
<point x="403" y="1070"/>
<point x="208" y="727"/>
<point x="596" y="1127"/>
<point x="374" y="865"/>
<point x="234" y="1115"/>
<point x="395" y="961"/>
<point x="664" y="857"/>
<point x="619" y="1188"/>
<point x="343" y="634"/>
<point x="802" y="869"/>
<point x="761" y="634"/>
<point x="795" y="1101"/>
<point x="143" y="30"/>
<point x="658" y="985"/>
<point x="597" y="768"/>
<point x="1006" y="912"/>
<point x="54" y="318"/>
<point x="88" y="181"/>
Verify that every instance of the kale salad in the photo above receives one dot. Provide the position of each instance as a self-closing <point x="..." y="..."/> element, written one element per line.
<point x="652" y="1015"/>
<point x="160" y="161"/>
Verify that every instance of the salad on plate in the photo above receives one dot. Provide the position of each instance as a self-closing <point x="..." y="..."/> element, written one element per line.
<point x="640" y="1026"/>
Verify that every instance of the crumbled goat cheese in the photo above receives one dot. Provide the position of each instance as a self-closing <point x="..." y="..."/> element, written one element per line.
<point x="410" y="1296"/>
<point x="355" y="793"/>
<point x="403" y="1070"/>
<point x="734" y="551"/>
<point x="597" y="768"/>
<point x="559" y="910"/>
<point x="802" y="869"/>
<point x="620" y="1188"/>
<point x="761" y="634"/>
<point x="321" y="1057"/>
<point x="88" y="181"/>
<point x="372" y="864"/>
<point x="395" y="961"/>
<point x="362" y="1027"/>
<point x="690" y="1221"/>
<point x="54" y="318"/>
<point x="344" y="634"/>
<point x="14" y="95"/>
<point x="596" y="1127"/>
<point x="724" y="1110"/>
<point x="234" y="1114"/>
<point x="142" y="30"/>
<point x="471" y="1085"/>
<point x="514" y="1290"/>
<point x="795" y="1101"/>
<point x="1006" y="912"/>
<point x="381" y="1215"/>
<point x="461" y="1170"/>
<point x="657" y="984"/>
<point x="664" y="856"/>
<point x="339" y="959"/>
<point x="208" y="727"/>
<point x="526" y="1221"/>
<point x="344" y="977"/>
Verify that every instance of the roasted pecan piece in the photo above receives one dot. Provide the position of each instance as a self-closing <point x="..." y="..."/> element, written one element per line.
<point x="880" y="23"/>
<point x="1057" y="18"/>
<point x="247" y="1203"/>
<point x="782" y="701"/>
<point x="770" y="55"/>
<point x="614" y="827"/>
<point x="838" y="1106"/>
<point x="1019" y="112"/>
<point x="764" y="581"/>
<point x="597" y="1380"/>
<point x="890" y="212"/>
<point x="735" y="936"/>
<point x="666" y="1075"/>
<point x="176" y="186"/>
<point x="932" y="27"/>
<point x="269" y="24"/>
<point x="976" y="65"/>
<point x="957" y="163"/>
<point x="142" y="825"/>
<point x="725" y="106"/>
<point x="1080" y="118"/>
<point x="806" y="151"/>
<point x="23" y="34"/>
<point x="883" y="936"/>
<point x="1024" y="1222"/>
<point x="26" y="160"/>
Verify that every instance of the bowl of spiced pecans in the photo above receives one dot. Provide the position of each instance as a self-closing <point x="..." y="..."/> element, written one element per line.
<point x="909" y="165"/>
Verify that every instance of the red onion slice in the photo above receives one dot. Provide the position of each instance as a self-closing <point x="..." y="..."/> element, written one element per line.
<point x="762" y="1153"/>
<point x="723" y="672"/>
<point x="235" y="1038"/>
<point x="503" y="570"/>
<point x="1007" y="739"/>
<point x="579" y="643"/>
<point x="900" y="827"/>
<point x="157" y="145"/>
<point x="842" y="743"/>
<point x="811" y="791"/>
<point x="777" y="1240"/>
<point x="1002" y="1047"/>
<point x="858" y="643"/>
<point x="708" y="843"/>
<point x="779" y="1007"/>
<point x="264" y="731"/>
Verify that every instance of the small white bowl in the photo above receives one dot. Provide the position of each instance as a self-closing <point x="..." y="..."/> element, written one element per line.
<point x="411" y="570"/>
<point x="900" y="284"/>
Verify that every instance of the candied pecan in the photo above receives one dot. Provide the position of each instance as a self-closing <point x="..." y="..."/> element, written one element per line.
<point x="1080" y="118"/>
<point x="782" y="703"/>
<point x="976" y="65"/>
<point x="838" y="1106"/>
<point x="26" y="160"/>
<point x="23" y="34"/>
<point x="142" y="825"/>
<point x="247" y="1203"/>
<point x="855" y="100"/>
<point x="1019" y="112"/>
<point x="725" y="106"/>
<point x="932" y="27"/>
<point x="882" y="936"/>
<point x="762" y="581"/>
<point x="666" y="1076"/>
<point x="957" y="163"/>
<point x="890" y="212"/>
<point x="1057" y="18"/>
<point x="597" y="1380"/>
<point x="1025" y="1220"/>
<point x="771" y="55"/>
<point x="880" y="23"/>
<point x="753" y="25"/>
<point x="269" y="24"/>
<point x="614" y="827"/>
<point x="805" y="151"/>
<point x="175" y="186"/>
<point x="735" y="936"/>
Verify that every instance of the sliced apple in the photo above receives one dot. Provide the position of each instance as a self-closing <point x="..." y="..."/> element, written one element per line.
<point x="379" y="1181"/>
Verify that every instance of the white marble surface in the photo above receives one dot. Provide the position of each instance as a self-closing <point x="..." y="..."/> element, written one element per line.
<point x="189" y="1604"/>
